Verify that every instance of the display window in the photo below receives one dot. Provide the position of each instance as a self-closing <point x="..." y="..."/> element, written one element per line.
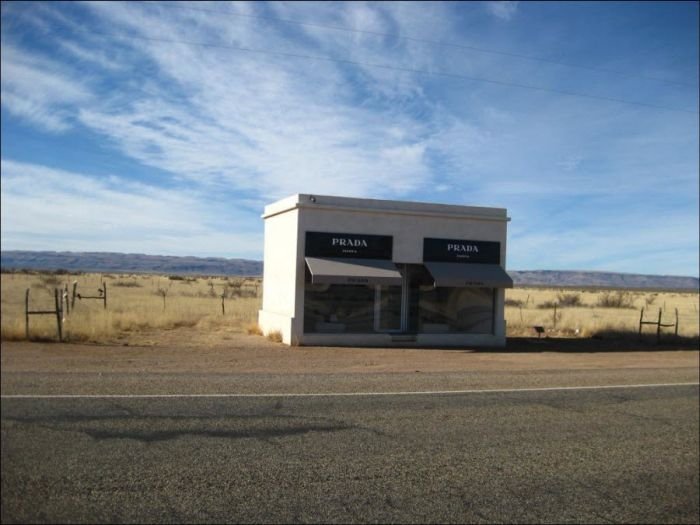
<point x="416" y="307"/>
<point x="350" y="308"/>
<point x="448" y="309"/>
<point x="456" y="310"/>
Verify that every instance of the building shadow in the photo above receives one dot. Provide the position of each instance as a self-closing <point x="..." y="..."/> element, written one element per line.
<point x="604" y="342"/>
<point x="599" y="343"/>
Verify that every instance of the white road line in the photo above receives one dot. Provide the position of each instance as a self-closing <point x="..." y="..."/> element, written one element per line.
<point x="339" y="394"/>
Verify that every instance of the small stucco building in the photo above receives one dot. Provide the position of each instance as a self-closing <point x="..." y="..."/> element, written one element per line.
<point x="366" y="272"/>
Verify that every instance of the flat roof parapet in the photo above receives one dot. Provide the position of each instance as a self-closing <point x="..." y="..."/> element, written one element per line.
<point x="328" y="202"/>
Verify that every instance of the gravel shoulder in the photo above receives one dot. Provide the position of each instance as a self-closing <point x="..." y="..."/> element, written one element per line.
<point x="180" y="351"/>
<point x="251" y="354"/>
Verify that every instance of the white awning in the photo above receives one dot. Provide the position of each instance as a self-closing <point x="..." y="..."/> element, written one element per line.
<point x="469" y="274"/>
<point x="353" y="271"/>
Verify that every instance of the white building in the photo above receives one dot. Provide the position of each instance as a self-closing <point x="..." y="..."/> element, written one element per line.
<point x="364" y="272"/>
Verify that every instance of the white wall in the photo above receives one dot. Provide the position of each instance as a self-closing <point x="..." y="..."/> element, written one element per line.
<point x="279" y="274"/>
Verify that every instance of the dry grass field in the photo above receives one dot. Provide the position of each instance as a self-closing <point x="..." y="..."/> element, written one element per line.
<point x="135" y="304"/>
<point x="155" y="304"/>
<point x="587" y="313"/>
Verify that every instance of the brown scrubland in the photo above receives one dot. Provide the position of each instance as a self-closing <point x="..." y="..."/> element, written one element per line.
<point x="141" y="306"/>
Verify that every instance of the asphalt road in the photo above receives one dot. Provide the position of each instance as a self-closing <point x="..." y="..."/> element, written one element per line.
<point x="603" y="455"/>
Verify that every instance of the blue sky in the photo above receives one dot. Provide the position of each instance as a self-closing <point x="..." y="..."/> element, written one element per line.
<point x="164" y="128"/>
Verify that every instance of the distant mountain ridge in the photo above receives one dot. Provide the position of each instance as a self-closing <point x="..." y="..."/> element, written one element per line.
<point x="127" y="263"/>
<point x="165" y="264"/>
<point x="555" y="278"/>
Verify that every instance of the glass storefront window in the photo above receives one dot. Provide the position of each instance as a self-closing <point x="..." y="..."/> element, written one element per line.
<point x="455" y="310"/>
<point x="346" y="308"/>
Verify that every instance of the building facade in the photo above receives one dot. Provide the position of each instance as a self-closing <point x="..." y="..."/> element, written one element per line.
<point x="364" y="272"/>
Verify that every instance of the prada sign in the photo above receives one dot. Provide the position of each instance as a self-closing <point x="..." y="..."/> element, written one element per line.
<point x="351" y="245"/>
<point x="457" y="250"/>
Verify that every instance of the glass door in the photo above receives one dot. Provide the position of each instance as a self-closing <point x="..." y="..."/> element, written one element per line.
<point x="387" y="308"/>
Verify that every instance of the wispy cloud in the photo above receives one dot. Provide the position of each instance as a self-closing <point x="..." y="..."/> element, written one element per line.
<point x="502" y="9"/>
<point x="38" y="90"/>
<point x="291" y="137"/>
<point x="605" y="242"/>
<point x="93" y="57"/>
<point x="46" y="208"/>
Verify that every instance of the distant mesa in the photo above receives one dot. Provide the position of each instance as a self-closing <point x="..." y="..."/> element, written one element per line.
<point x="164" y="264"/>
<point x="555" y="278"/>
<point x="127" y="263"/>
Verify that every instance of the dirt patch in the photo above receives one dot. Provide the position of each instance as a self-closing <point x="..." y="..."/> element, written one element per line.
<point x="184" y="350"/>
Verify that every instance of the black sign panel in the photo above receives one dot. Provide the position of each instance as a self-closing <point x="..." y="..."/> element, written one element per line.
<point x="458" y="250"/>
<point x="351" y="245"/>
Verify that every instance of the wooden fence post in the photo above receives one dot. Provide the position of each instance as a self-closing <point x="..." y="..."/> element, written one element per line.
<point x="26" y="315"/>
<point x="58" y="315"/>
<point x="658" y="323"/>
<point x="75" y="286"/>
<point x="676" y="322"/>
<point x="104" y="287"/>
<point x="58" y="297"/>
<point x="223" y="296"/>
